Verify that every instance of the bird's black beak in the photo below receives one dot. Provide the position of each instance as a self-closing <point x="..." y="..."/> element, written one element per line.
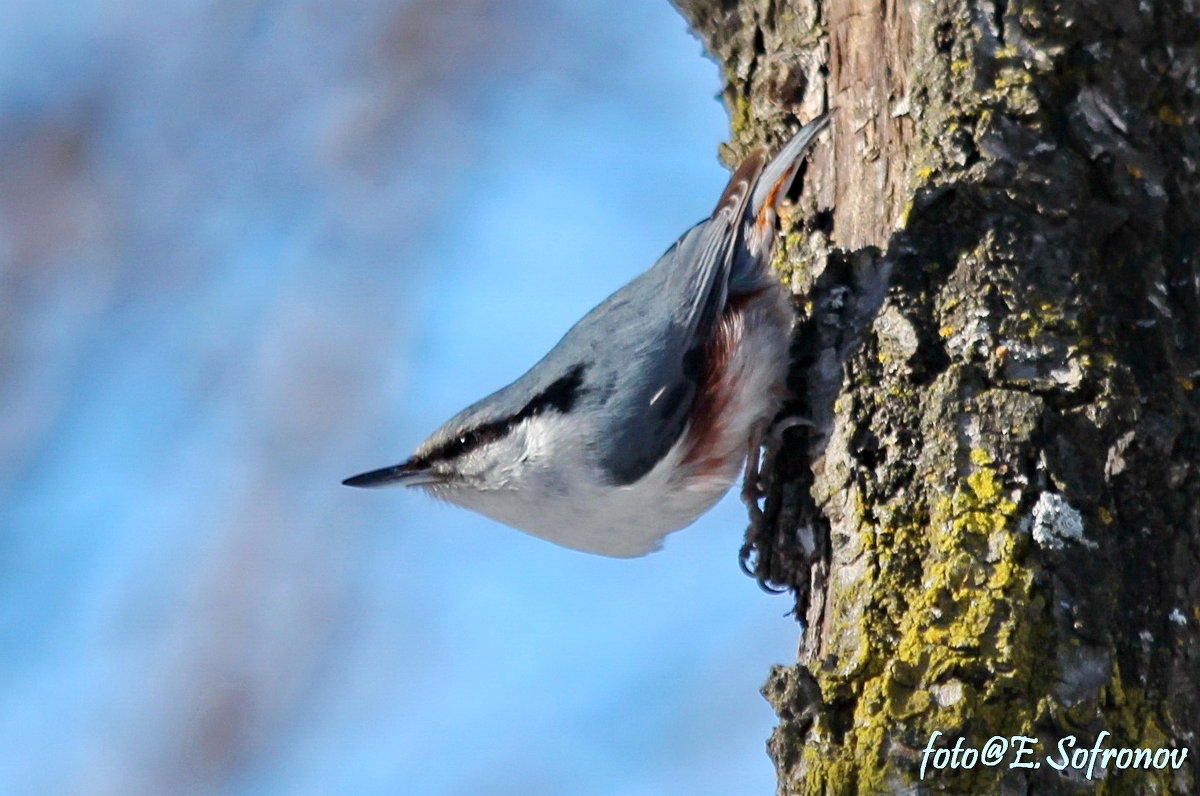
<point x="407" y="474"/>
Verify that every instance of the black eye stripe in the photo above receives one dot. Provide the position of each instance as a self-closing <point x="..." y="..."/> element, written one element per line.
<point x="560" y="396"/>
<point x="468" y="440"/>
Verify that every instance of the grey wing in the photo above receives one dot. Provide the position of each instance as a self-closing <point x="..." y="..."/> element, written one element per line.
<point x="647" y="385"/>
<point x="671" y="312"/>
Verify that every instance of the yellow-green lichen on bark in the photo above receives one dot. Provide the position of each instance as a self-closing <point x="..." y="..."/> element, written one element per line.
<point x="953" y="618"/>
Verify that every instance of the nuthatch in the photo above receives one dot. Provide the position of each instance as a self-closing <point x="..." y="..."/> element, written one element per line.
<point x="641" y="417"/>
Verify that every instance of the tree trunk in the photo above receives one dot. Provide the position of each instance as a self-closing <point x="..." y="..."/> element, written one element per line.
<point x="993" y="526"/>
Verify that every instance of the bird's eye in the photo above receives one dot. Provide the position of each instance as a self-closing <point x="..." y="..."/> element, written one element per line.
<point x="468" y="440"/>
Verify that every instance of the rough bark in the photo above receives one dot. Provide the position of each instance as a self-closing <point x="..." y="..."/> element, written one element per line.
<point x="993" y="528"/>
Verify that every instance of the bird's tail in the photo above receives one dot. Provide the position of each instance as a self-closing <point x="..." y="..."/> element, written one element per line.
<point x="777" y="175"/>
<point x="750" y="266"/>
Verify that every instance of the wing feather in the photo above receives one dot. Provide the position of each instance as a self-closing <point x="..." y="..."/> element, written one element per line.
<point x="656" y="411"/>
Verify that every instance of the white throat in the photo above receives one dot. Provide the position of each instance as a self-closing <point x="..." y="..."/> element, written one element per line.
<point x="556" y="493"/>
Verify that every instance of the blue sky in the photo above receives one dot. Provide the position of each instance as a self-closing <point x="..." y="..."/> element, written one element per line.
<point x="247" y="250"/>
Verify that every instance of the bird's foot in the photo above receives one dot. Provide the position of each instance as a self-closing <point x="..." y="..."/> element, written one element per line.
<point x="751" y="488"/>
